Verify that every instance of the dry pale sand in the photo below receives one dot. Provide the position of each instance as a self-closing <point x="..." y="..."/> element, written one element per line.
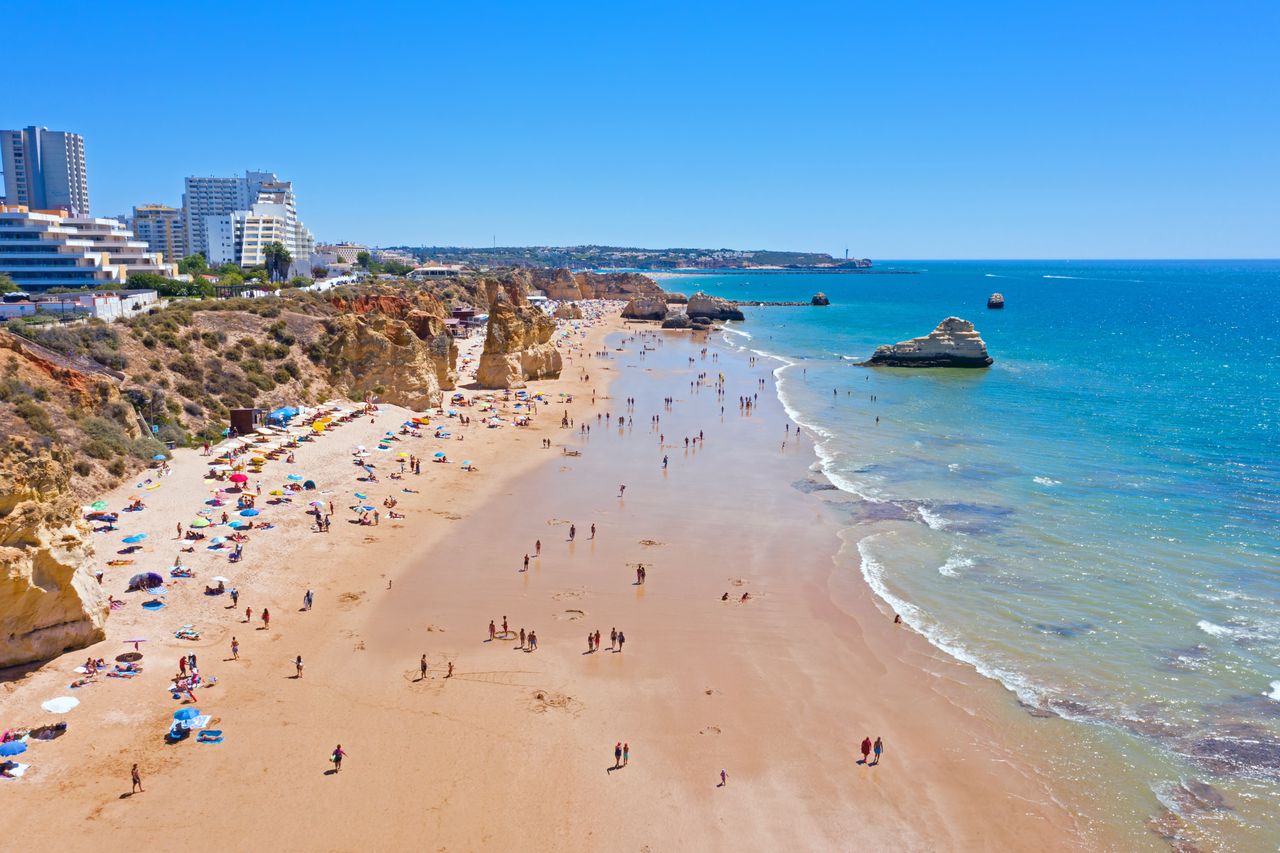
<point x="515" y="750"/>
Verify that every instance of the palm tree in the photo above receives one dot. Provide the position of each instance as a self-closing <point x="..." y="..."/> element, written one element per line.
<point x="278" y="260"/>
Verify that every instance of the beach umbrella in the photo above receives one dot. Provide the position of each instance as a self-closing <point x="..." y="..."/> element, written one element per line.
<point x="235" y="525"/>
<point x="186" y="714"/>
<point x="98" y="505"/>
<point x="159" y="457"/>
<point x="402" y="453"/>
<point x="137" y="537"/>
<point x="248" y="513"/>
<point x="295" y="477"/>
<point x="60" y="705"/>
<point x="276" y="492"/>
<point x="219" y="467"/>
<point x="316" y="503"/>
<point x="217" y="540"/>
<point x="13" y="747"/>
<point x="239" y="478"/>
<point x="220" y="579"/>
<point x="362" y="496"/>
<point x="466" y="462"/>
<point x="439" y="454"/>
<point x="200" y="522"/>
<point x="366" y="509"/>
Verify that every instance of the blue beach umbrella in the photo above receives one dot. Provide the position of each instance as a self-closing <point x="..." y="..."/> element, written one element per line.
<point x="439" y="454"/>
<point x="295" y="477"/>
<point x="137" y="537"/>
<point x="159" y="457"/>
<point x="186" y="714"/>
<point x="362" y="496"/>
<point x="248" y="513"/>
<point x="13" y="747"/>
<point x="235" y="525"/>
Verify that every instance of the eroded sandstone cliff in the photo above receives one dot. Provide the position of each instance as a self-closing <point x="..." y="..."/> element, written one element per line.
<point x="517" y="344"/>
<point x="49" y="599"/>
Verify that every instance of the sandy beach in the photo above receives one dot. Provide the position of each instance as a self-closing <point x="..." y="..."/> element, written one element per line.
<point x="515" y="750"/>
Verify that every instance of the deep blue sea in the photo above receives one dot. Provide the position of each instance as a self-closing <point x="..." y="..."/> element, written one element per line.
<point x="1094" y="520"/>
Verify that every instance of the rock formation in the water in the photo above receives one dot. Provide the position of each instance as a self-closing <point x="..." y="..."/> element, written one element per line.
<point x="645" y="308"/>
<point x="954" y="343"/>
<point x="517" y="344"/>
<point x="819" y="298"/>
<point x="49" y="599"/>
<point x="995" y="300"/>
<point x="712" y="308"/>
<point x="674" y="298"/>
<point x="677" y="321"/>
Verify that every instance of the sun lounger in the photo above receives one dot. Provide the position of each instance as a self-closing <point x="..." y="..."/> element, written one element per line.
<point x="210" y="736"/>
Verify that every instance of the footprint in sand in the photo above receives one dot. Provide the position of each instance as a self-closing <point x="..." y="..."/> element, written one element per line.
<point x="737" y="582"/>
<point x="349" y="599"/>
<point x="570" y="615"/>
<point x="650" y="543"/>
<point x="710" y="730"/>
<point x="569" y="594"/>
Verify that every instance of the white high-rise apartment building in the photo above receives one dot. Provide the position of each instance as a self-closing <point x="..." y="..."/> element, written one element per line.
<point x="205" y="197"/>
<point x="44" y="170"/>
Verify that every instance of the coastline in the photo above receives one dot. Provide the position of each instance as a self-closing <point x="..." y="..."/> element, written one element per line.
<point x="776" y="690"/>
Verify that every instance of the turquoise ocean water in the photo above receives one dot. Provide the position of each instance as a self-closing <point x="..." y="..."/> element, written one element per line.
<point x="1095" y="520"/>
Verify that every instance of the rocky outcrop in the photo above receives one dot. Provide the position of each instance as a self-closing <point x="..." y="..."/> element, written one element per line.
<point x="395" y="347"/>
<point x="995" y="300"/>
<point x="563" y="285"/>
<point x="674" y="298"/>
<point x="49" y="599"/>
<point x="677" y="321"/>
<point x="386" y="359"/>
<point x="819" y="298"/>
<point x="517" y="344"/>
<point x="954" y="343"/>
<point x="645" y="308"/>
<point x="712" y="308"/>
<point x="568" y="311"/>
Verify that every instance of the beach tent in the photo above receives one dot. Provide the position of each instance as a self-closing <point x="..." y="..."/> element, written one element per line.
<point x="309" y="485"/>
<point x="145" y="580"/>
<point x="282" y="415"/>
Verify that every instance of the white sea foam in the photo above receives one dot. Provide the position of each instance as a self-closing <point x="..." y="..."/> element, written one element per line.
<point x="873" y="574"/>
<point x="1214" y="630"/>
<point x="1046" y="481"/>
<point x="932" y="518"/>
<point x="1275" y="691"/>
<point x="951" y="568"/>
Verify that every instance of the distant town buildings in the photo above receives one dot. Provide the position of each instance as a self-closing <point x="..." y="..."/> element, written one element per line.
<point x="44" y="249"/>
<point x="162" y="228"/>
<point x="395" y="256"/>
<point x="44" y="170"/>
<point x="105" y="305"/>
<point x="345" y="253"/>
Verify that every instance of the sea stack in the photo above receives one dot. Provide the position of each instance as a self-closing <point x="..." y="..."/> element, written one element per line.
<point x="954" y="343"/>
<point x="819" y="298"/>
<point x="995" y="300"/>
<point x="712" y="308"/>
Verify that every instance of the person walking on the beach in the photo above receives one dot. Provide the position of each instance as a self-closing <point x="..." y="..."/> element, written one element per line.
<point x="504" y="626"/>
<point x="266" y="618"/>
<point x="235" y="649"/>
<point x="422" y="669"/>
<point x="526" y="563"/>
<point x="248" y="614"/>
<point x="622" y="638"/>
<point x="537" y="548"/>
<point x="593" y="530"/>
<point x="724" y="777"/>
<point x="597" y="639"/>
<point x="573" y="531"/>
<point x="626" y="754"/>
<point x="493" y="631"/>
<point x="136" y="776"/>
<point x="866" y="749"/>
<point x="617" y="755"/>
<point x="449" y="674"/>
<point x="878" y="747"/>
<point x="235" y="596"/>
<point x="336" y="758"/>
<point x="522" y="638"/>
<point x="613" y="638"/>
<point x="622" y="489"/>
<point x="590" y="639"/>
<point x="298" y="664"/>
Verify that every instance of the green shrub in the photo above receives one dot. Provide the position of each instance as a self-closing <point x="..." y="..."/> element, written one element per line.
<point x="35" y="415"/>
<point x="82" y="468"/>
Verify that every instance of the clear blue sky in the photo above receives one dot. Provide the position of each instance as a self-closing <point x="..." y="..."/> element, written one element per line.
<point x="898" y="129"/>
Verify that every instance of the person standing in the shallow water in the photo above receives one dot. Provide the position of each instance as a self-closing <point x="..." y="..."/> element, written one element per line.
<point x="573" y="531"/>
<point x="866" y="749"/>
<point x="877" y="748"/>
<point x="617" y="755"/>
